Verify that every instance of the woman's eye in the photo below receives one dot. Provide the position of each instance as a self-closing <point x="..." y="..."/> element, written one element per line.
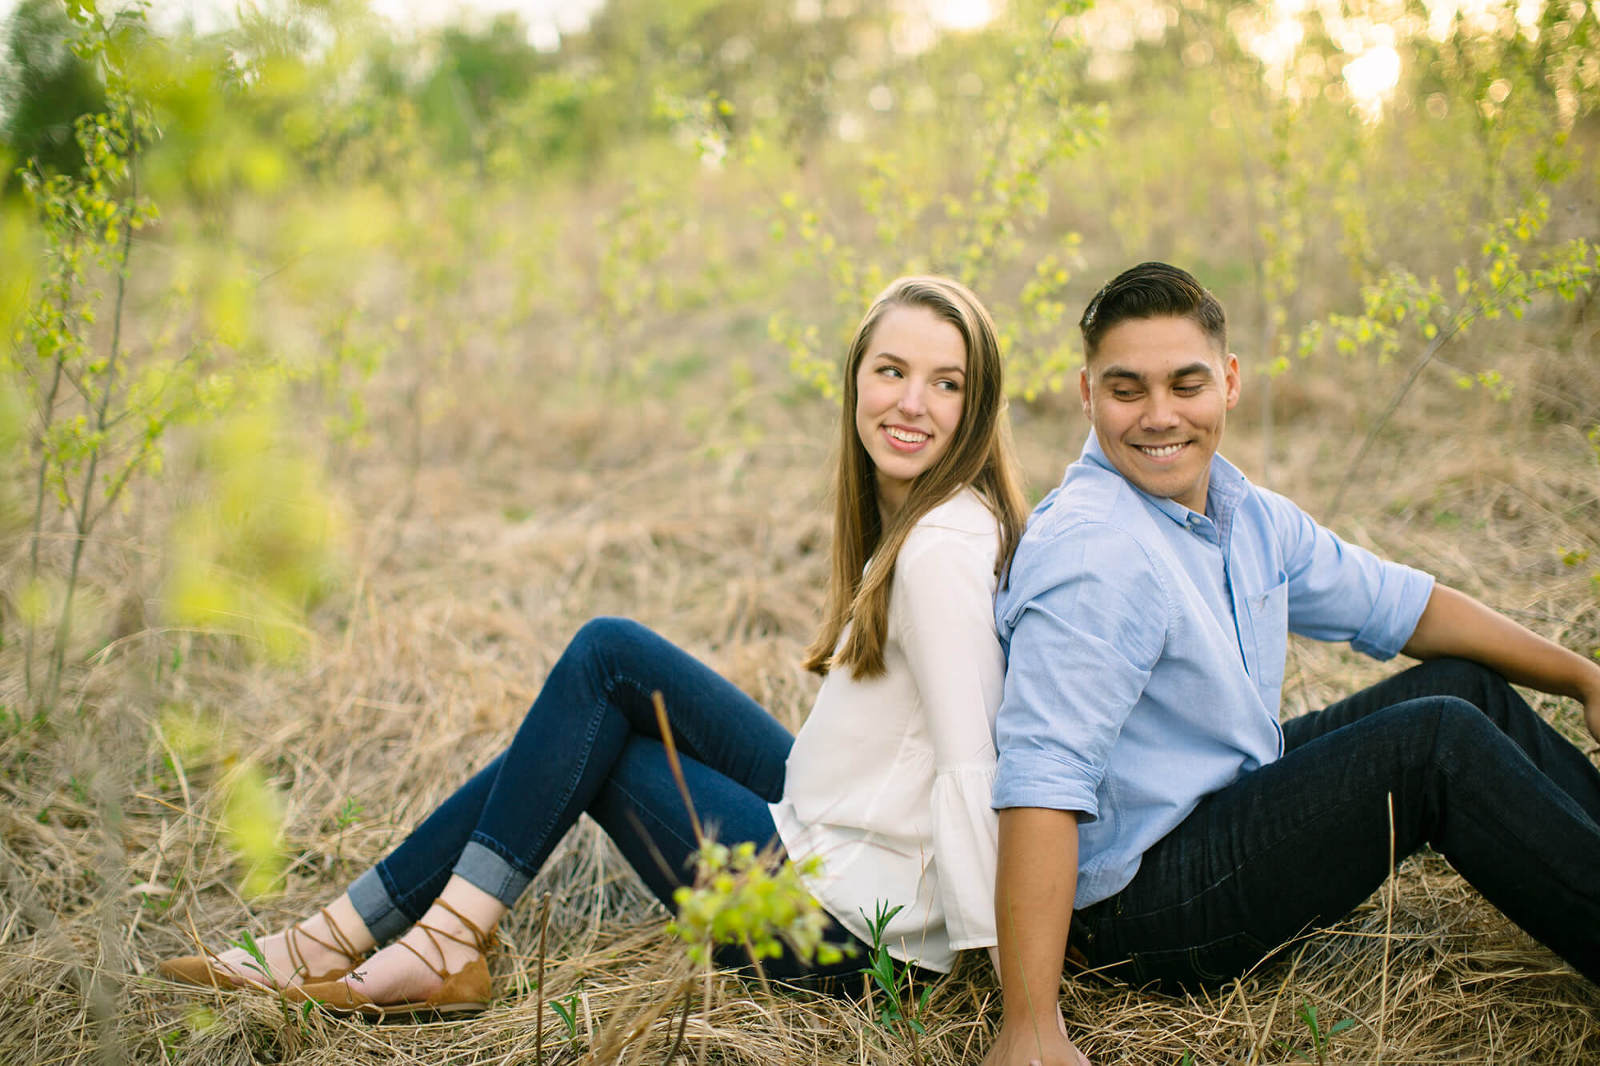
<point x="889" y="371"/>
<point x="949" y="386"/>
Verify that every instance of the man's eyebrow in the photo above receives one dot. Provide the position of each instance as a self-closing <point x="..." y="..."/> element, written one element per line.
<point x="1201" y="369"/>
<point x="1195" y="369"/>
<point x="1121" y="373"/>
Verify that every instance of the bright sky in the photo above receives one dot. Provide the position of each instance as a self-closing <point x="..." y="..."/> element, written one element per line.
<point x="546" y="19"/>
<point x="1371" y="69"/>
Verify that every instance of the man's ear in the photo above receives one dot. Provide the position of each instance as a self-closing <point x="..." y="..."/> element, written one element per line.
<point x="1083" y="391"/>
<point x="1230" y="377"/>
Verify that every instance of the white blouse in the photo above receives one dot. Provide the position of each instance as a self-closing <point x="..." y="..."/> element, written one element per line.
<point x="889" y="778"/>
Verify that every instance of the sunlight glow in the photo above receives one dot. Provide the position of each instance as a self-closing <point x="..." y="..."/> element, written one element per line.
<point x="1371" y="77"/>
<point x="960" y="14"/>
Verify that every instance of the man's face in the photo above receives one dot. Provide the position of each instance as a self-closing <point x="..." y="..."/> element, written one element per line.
<point x="1157" y="391"/>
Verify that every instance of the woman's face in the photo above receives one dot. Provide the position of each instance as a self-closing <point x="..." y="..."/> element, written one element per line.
<point x="909" y="390"/>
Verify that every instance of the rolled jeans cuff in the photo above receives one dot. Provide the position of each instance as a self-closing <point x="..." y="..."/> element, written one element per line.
<point x="483" y="867"/>
<point x="383" y="917"/>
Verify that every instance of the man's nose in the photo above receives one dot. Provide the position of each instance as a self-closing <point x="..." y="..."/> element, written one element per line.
<point x="1159" y="412"/>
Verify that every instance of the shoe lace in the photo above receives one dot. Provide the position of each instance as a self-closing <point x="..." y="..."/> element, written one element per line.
<point x="481" y="942"/>
<point x="342" y="944"/>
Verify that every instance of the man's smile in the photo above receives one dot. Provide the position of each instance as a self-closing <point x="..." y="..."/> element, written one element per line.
<point x="1162" y="451"/>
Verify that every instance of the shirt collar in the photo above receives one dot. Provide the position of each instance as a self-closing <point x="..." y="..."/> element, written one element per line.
<point x="1226" y="489"/>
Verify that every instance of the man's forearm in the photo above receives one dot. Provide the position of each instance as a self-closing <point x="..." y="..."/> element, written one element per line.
<point x="1455" y="624"/>
<point x="1035" y="885"/>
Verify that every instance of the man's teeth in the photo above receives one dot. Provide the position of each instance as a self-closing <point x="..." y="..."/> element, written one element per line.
<point x="908" y="436"/>
<point x="1161" y="452"/>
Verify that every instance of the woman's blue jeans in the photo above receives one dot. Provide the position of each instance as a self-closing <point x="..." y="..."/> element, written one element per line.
<point x="1475" y="773"/>
<point x="590" y="742"/>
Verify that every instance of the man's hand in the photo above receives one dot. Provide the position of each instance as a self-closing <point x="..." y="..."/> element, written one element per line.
<point x="1455" y="624"/>
<point x="1035" y="884"/>
<point x="1591" y="707"/>
<point x="1021" y="1045"/>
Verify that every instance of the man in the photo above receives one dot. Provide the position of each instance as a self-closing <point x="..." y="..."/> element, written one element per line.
<point x="1154" y="815"/>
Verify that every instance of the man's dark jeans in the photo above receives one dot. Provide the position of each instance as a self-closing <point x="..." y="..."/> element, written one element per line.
<point x="1475" y="773"/>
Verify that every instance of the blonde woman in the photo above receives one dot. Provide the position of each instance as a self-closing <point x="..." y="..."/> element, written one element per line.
<point x="888" y="780"/>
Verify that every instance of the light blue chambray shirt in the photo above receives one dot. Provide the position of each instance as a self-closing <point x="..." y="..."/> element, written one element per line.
<point x="1145" y="648"/>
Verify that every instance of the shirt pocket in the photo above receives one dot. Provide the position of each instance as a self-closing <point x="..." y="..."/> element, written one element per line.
<point x="1269" y="634"/>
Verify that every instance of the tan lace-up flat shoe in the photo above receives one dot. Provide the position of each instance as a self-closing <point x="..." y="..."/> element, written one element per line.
<point x="466" y="991"/>
<point x="207" y="972"/>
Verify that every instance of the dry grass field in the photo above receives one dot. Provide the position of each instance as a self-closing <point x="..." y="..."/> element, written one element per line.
<point x="578" y="406"/>
<point x="480" y="537"/>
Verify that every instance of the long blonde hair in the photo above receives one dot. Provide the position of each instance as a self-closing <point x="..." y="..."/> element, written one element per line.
<point x="980" y="455"/>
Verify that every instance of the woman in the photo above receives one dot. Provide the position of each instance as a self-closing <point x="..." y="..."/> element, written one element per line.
<point x="888" y="780"/>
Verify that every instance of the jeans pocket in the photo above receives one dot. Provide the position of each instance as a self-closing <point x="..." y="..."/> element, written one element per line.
<point x="1210" y="963"/>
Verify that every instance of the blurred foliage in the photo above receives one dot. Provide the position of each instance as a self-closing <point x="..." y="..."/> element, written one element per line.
<point x="357" y="223"/>
<point x="255" y="545"/>
<point x="252" y="812"/>
<point x="744" y="900"/>
<point x="44" y="87"/>
<point x="234" y="257"/>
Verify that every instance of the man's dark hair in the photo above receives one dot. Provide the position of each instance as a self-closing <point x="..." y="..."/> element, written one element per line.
<point x="1152" y="290"/>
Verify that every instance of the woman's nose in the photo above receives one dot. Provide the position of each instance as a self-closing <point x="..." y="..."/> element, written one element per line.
<point x="911" y="399"/>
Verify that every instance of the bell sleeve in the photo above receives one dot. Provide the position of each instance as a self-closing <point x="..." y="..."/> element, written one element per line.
<point x="943" y="598"/>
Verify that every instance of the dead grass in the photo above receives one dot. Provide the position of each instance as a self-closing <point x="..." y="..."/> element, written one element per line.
<point x="525" y="509"/>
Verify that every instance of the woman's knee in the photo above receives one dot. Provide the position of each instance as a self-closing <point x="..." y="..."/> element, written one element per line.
<point x="602" y="639"/>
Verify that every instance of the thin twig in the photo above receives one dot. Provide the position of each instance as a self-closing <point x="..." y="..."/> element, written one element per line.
<point x="1388" y="937"/>
<point x="538" y="1010"/>
<point x="683" y="1021"/>
<point x="1383" y="420"/>
<point x="673" y="764"/>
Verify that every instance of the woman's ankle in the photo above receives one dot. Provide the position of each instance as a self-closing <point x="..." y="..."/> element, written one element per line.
<point x="347" y="927"/>
<point x="467" y="911"/>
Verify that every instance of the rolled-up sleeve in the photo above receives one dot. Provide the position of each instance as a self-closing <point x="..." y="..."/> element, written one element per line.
<point x="1342" y="592"/>
<point x="1085" y="618"/>
<point x="943" y="605"/>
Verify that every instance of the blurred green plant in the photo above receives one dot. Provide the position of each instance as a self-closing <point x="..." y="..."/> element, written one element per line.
<point x="252" y="811"/>
<point x="94" y="425"/>
<point x="740" y="899"/>
<point x="45" y="86"/>
<point x="256" y="546"/>
<point x="631" y="284"/>
<point x="961" y="204"/>
<point x="1511" y="273"/>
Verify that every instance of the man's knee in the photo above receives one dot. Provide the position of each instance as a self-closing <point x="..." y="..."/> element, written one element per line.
<point x="1464" y="679"/>
<point x="1427" y="733"/>
<point x="1463" y="734"/>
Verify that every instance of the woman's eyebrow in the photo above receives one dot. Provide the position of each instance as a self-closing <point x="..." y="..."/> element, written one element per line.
<point x="953" y="368"/>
